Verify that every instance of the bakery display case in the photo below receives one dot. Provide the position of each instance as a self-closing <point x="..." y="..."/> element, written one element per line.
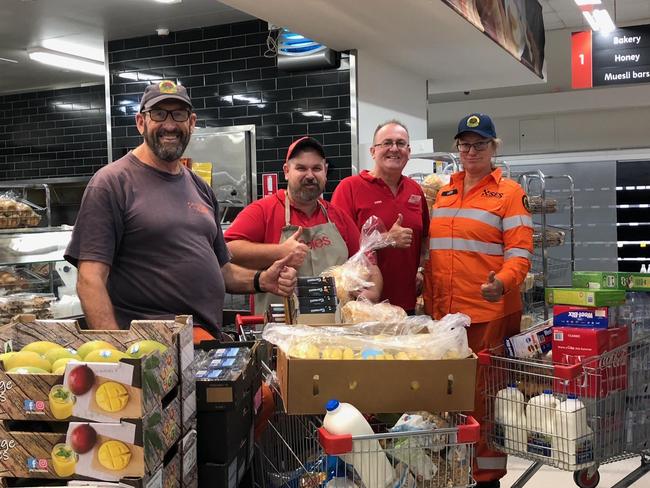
<point x="30" y="247"/>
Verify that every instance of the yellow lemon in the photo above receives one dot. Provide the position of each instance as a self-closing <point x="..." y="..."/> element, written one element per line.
<point x="92" y="345"/>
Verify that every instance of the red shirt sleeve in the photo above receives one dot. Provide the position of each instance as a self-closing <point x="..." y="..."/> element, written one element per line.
<point x="342" y="199"/>
<point x="249" y="225"/>
<point x="347" y="228"/>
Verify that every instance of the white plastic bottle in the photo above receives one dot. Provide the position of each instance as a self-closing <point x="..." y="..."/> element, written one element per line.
<point x="540" y="421"/>
<point x="367" y="456"/>
<point x="510" y="418"/>
<point x="575" y="437"/>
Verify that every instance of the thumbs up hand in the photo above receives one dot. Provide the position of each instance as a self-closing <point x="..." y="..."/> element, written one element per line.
<point x="297" y="249"/>
<point x="401" y="236"/>
<point x="492" y="290"/>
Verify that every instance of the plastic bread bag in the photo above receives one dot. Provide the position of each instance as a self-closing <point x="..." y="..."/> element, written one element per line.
<point x="352" y="276"/>
<point x="446" y="339"/>
<point x="432" y="184"/>
<point x="363" y="310"/>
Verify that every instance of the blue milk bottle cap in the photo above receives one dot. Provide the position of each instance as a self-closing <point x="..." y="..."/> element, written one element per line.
<point x="548" y="391"/>
<point x="571" y="396"/>
<point x="332" y="405"/>
<point x="512" y="385"/>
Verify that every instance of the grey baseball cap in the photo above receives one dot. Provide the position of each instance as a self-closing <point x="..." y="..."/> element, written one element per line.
<point x="163" y="90"/>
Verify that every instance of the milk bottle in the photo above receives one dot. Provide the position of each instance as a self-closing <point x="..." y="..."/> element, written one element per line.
<point x="540" y="421"/>
<point x="367" y="456"/>
<point x="574" y="436"/>
<point x="510" y="418"/>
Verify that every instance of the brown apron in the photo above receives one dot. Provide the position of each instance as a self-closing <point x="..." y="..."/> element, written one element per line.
<point x="327" y="248"/>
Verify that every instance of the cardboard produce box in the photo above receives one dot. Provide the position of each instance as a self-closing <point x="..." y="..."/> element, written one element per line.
<point x="611" y="280"/>
<point x="101" y="451"/>
<point x="102" y="392"/>
<point x="584" y="297"/>
<point x="380" y="386"/>
<point x="189" y="467"/>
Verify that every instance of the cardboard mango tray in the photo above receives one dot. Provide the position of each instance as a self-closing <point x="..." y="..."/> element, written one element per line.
<point x="70" y="450"/>
<point x="147" y="380"/>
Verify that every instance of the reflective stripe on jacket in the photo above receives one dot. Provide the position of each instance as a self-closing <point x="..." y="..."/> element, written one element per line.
<point x="489" y="229"/>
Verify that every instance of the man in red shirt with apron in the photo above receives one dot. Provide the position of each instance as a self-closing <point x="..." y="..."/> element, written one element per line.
<point x="297" y="220"/>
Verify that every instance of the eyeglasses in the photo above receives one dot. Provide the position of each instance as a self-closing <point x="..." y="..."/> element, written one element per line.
<point x="160" y="115"/>
<point x="478" y="146"/>
<point x="387" y="144"/>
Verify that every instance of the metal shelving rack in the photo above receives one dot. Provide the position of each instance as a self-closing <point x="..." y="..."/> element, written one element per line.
<point x="545" y="267"/>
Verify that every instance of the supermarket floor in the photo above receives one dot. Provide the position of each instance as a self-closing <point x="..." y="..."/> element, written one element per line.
<point x="550" y="477"/>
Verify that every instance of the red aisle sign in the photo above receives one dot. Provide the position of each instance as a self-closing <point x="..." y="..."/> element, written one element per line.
<point x="581" y="68"/>
<point x="269" y="184"/>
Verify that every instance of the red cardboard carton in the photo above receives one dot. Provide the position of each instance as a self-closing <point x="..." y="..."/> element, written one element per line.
<point x="602" y="373"/>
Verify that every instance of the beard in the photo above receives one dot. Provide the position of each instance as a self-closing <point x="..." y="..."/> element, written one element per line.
<point x="166" y="151"/>
<point x="307" y="191"/>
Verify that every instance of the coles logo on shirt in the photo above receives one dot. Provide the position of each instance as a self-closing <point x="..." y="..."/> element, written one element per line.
<point x="318" y="242"/>
<point x="415" y="199"/>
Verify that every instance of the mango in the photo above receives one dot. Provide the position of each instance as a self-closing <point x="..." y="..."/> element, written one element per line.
<point x="92" y="345"/>
<point x="60" y="364"/>
<point x="27" y="370"/>
<point x="112" y="396"/>
<point x="81" y="379"/>
<point x="114" y="455"/>
<point x="41" y="347"/>
<point x="5" y="356"/>
<point x="27" y="358"/>
<point x="142" y="348"/>
<point x="348" y="353"/>
<point x="105" y="356"/>
<point x="53" y="355"/>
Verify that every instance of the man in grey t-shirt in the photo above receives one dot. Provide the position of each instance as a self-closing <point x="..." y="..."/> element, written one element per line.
<point x="147" y="240"/>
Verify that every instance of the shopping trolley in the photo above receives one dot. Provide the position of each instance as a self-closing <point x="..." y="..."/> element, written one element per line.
<point x="598" y="413"/>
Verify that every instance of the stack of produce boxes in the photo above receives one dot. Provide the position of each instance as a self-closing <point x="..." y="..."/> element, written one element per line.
<point x="227" y="383"/>
<point x="99" y="405"/>
<point x="635" y="314"/>
<point x="585" y="325"/>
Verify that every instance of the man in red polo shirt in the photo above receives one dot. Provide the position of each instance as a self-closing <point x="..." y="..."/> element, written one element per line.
<point x="297" y="221"/>
<point x="400" y="203"/>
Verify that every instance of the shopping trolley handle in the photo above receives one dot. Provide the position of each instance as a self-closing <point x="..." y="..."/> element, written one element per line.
<point x="567" y="371"/>
<point x="241" y="320"/>
<point x="484" y="357"/>
<point x="334" y="444"/>
<point x="470" y="432"/>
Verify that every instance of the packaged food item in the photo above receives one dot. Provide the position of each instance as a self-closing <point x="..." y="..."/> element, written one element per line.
<point x="531" y="343"/>
<point x="510" y="418"/>
<point x="352" y="276"/>
<point x="584" y="297"/>
<point x="431" y="186"/>
<point x="362" y="310"/>
<point x="611" y="280"/>
<point x="574" y="434"/>
<point x="404" y="340"/>
<point x="592" y="317"/>
<point x="540" y="421"/>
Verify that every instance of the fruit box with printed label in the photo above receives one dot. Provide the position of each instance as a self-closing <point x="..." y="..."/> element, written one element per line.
<point x="584" y="297"/>
<point x="189" y="468"/>
<point x="100" y="451"/>
<point x="405" y="385"/>
<point x="89" y="389"/>
<point x="612" y="280"/>
<point x="602" y="372"/>
<point x="591" y="317"/>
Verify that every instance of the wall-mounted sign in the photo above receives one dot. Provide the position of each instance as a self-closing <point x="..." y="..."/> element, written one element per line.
<point x="269" y="184"/>
<point x="619" y="58"/>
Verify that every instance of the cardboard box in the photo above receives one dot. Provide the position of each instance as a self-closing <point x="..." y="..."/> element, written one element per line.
<point x="591" y="317"/>
<point x="144" y="381"/>
<point x="380" y="386"/>
<point x="584" y="297"/>
<point x="611" y="280"/>
<point x="531" y="343"/>
<point x="131" y="449"/>
<point x="226" y="475"/>
<point x="188" y="447"/>
<point x="572" y="345"/>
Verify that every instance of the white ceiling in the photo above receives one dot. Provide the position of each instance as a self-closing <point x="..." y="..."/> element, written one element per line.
<point x="27" y="23"/>
<point x="420" y="35"/>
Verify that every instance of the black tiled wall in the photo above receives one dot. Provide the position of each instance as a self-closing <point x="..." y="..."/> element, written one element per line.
<point x="231" y="82"/>
<point x="52" y="133"/>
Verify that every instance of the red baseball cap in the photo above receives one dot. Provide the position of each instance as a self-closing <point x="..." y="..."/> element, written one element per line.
<point x="304" y="144"/>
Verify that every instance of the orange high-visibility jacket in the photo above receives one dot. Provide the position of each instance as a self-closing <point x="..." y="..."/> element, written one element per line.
<point x="489" y="229"/>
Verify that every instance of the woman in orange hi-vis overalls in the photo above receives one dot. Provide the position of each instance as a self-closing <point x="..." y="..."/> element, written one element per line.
<point x="481" y="243"/>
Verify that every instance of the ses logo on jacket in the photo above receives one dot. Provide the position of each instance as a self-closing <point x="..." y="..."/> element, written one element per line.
<point x="491" y="194"/>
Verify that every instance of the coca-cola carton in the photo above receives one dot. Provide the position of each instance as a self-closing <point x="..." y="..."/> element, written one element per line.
<point x="603" y="372"/>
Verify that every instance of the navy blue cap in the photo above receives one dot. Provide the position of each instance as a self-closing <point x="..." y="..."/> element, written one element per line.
<point x="332" y="405"/>
<point x="480" y="124"/>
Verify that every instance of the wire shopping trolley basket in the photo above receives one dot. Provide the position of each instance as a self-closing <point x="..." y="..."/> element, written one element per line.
<point x="574" y="417"/>
<point x="432" y="458"/>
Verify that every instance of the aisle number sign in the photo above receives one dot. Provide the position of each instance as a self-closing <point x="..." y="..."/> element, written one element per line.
<point x="619" y="58"/>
